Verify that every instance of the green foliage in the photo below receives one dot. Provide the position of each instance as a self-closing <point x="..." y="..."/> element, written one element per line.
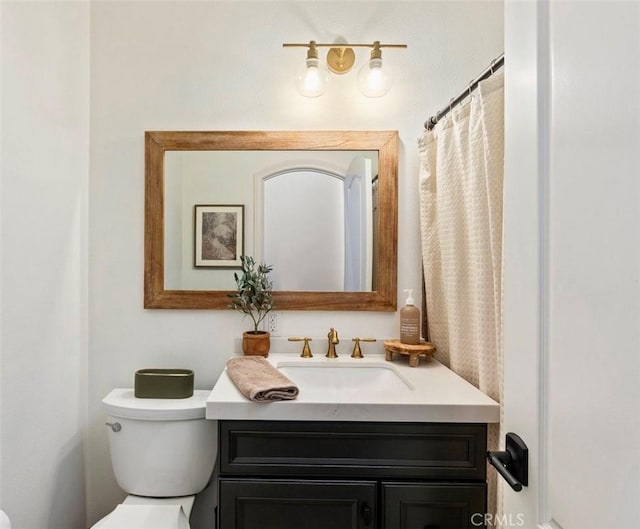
<point x="254" y="290"/>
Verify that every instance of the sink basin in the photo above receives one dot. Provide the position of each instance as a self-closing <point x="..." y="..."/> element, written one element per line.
<point x="373" y="379"/>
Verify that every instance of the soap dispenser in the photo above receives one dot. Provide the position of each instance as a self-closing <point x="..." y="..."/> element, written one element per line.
<point x="410" y="321"/>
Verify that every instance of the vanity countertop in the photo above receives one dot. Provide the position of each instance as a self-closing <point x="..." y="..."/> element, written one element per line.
<point x="369" y="389"/>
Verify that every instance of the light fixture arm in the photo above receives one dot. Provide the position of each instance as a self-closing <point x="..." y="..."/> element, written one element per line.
<point x="311" y="43"/>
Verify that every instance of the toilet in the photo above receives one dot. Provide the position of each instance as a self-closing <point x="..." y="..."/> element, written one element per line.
<point x="163" y="453"/>
<point x="4" y="521"/>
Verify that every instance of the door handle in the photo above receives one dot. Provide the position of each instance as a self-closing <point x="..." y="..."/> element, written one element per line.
<point x="513" y="463"/>
<point x="365" y="511"/>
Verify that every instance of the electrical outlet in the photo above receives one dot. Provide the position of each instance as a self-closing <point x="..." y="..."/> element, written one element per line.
<point x="274" y="323"/>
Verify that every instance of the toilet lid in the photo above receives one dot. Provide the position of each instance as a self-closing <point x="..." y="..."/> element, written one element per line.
<point x="145" y="517"/>
<point x="124" y="404"/>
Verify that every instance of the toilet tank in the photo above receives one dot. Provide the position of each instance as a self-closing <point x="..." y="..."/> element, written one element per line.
<point x="160" y="447"/>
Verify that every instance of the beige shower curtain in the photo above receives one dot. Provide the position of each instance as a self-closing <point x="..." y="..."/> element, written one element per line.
<point x="461" y="174"/>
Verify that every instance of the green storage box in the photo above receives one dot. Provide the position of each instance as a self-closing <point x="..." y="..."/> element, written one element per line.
<point x="163" y="383"/>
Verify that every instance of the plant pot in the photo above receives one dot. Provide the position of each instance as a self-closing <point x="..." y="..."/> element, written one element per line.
<point x="256" y="343"/>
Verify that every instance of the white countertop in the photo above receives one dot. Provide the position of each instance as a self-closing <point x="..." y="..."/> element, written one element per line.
<point x="430" y="392"/>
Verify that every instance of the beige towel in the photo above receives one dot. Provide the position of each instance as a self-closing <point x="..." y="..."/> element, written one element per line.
<point x="259" y="381"/>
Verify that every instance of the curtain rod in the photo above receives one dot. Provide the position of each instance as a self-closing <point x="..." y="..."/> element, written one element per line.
<point x="488" y="72"/>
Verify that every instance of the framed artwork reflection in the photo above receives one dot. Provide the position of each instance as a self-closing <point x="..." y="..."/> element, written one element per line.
<point x="218" y="235"/>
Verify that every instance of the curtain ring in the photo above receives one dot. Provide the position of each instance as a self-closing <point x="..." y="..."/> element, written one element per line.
<point x="493" y="63"/>
<point x="470" y="83"/>
<point x="451" y="104"/>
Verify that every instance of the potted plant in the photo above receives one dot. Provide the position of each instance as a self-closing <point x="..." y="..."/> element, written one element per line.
<point x="253" y="298"/>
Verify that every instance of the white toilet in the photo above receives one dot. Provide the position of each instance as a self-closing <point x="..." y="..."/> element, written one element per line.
<point x="4" y="521"/>
<point x="163" y="453"/>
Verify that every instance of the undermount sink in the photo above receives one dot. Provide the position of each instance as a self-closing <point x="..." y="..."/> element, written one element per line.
<point x="344" y="379"/>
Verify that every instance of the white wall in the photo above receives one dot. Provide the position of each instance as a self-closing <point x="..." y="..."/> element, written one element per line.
<point x="45" y="126"/>
<point x="219" y="66"/>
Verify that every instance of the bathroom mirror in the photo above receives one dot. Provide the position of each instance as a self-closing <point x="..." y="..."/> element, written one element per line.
<point x="253" y="179"/>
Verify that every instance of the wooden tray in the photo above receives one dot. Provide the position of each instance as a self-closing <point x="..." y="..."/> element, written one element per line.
<point x="414" y="351"/>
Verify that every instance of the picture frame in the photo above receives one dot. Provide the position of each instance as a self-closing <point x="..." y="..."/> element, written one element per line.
<point x="218" y="235"/>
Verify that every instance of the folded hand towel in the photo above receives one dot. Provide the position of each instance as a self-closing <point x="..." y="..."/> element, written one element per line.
<point x="259" y="381"/>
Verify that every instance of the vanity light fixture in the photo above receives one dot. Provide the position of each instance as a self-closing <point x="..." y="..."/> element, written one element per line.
<point x="373" y="79"/>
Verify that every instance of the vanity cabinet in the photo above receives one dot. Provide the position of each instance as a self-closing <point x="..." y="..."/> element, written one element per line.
<point x="350" y="475"/>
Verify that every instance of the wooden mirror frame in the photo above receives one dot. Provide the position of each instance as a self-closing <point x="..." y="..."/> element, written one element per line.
<point x="384" y="298"/>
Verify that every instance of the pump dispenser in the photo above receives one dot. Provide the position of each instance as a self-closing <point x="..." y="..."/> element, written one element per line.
<point x="410" y="321"/>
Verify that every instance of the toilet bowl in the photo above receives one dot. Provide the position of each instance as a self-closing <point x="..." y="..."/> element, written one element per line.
<point x="162" y="453"/>
<point x="137" y="512"/>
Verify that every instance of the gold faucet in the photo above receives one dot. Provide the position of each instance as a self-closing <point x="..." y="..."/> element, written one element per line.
<point x="333" y="339"/>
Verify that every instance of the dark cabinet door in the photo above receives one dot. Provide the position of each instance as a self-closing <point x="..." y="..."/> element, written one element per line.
<point x="433" y="506"/>
<point x="296" y="504"/>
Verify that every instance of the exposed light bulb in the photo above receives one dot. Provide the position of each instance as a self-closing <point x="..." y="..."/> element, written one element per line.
<point x="373" y="79"/>
<point x="313" y="80"/>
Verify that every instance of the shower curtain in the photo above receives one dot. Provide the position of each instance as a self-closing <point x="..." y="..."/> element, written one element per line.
<point x="460" y="182"/>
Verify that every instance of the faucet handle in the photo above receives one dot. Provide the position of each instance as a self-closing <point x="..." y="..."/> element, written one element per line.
<point x="306" y="348"/>
<point x="357" y="352"/>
